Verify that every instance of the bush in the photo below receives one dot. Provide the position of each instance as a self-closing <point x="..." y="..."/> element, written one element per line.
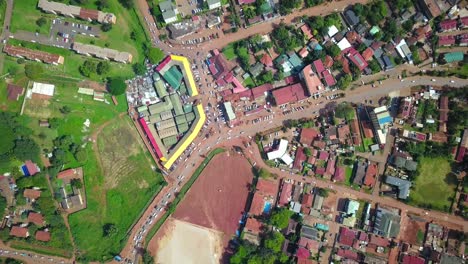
<point x="41" y="22"/>
<point x="106" y="27"/>
<point x="139" y="68"/>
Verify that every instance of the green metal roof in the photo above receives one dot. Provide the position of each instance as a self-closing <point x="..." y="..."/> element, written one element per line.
<point x="173" y="76"/>
<point x="188" y="108"/>
<point x="169" y="141"/>
<point x="160" y="88"/>
<point x="190" y="116"/>
<point x="160" y="107"/>
<point x="175" y="99"/>
<point x="180" y="119"/>
<point x="182" y="128"/>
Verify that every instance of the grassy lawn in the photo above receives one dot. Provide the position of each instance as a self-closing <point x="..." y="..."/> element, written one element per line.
<point x="367" y="143"/>
<point x="24" y="17"/>
<point x="249" y="82"/>
<point x="2" y="13"/>
<point x="348" y="175"/>
<point x="124" y="170"/>
<point x="229" y="52"/>
<point x="433" y="186"/>
<point x="110" y="189"/>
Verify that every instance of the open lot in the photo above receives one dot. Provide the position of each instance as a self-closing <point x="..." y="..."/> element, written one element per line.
<point x="182" y="242"/>
<point x="119" y="183"/>
<point x="413" y="229"/>
<point x="435" y="185"/>
<point x="217" y="199"/>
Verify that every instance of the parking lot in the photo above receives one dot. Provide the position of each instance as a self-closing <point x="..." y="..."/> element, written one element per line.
<point x="62" y="34"/>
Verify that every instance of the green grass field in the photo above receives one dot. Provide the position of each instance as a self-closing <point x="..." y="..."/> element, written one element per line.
<point x="229" y="52"/>
<point x="24" y="17"/>
<point x="110" y="189"/>
<point x="433" y="186"/>
<point x="118" y="188"/>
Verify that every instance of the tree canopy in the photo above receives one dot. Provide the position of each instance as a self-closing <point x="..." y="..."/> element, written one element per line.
<point x="280" y="218"/>
<point x="344" y="110"/>
<point x="286" y="38"/>
<point x="117" y="86"/>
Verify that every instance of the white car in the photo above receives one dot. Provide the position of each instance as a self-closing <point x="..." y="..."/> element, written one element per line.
<point x="452" y="81"/>
<point x="433" y="80"/>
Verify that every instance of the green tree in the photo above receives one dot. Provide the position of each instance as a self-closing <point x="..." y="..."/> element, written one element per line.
<point x="266" y="77"/>
<point x="77" y="183"/>
<point x="323" y="192"/>
<point x="26" y="149"/>
<point x="59" y="157"/>
<point x="126" y="3"/>
<point x="80" y="155"/>
<point x="280" y="218"/>
<point x="147" y="258"/>
<point x="33" y="70"/>
<point x="334" y="50"/>
<point x="345" y="110"/>
<point x="249" y="12"/>
<point x="65" y="109"/>
<point x="102" y="4"/>
<point x="106" y="27"/>
<point x="7" y="139"/>
<point x="274" y="241"/>
<point x="109" y="230"/>
<point x="344" y="81"/>
<point x="155" y="55"/>
<point x="103" y="67"/>
<point x="139" y="68"/>
<point x="307" y="152"/>
<point x="374" y="66"/>
<point x="117" y="86"/>
<point x="41" y="21"/>
<point x="88" y="68"/>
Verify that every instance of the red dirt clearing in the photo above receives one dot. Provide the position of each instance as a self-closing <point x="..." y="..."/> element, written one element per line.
<point x="218" y="197"/>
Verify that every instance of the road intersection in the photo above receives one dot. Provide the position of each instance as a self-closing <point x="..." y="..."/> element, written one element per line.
<point x="226" y="137"/>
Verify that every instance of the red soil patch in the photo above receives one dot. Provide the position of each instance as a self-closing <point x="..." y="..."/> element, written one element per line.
<point x="218" y="197"/>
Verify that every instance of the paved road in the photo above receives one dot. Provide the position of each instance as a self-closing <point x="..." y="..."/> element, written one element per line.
<point x="28" y="256"/>
<point x="227" y="136"/>
<point x="5" y="29"/>
<point x="224" y="136"/>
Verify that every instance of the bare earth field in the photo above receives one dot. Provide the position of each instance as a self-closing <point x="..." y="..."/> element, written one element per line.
<point x="182" y="242"/>
<point x="218" y="197"/>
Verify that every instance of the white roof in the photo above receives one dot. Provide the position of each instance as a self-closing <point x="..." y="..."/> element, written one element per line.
<point x="332" y="31"/>
<point x="276" y="154"/>
<point x="287" y="159"/>
<point x="382" y="136"/>
<point x="344" y="44"/>
<point x="380" y="109"/>
<point x="229" y="111"/>
<point x="43" y="88"/>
